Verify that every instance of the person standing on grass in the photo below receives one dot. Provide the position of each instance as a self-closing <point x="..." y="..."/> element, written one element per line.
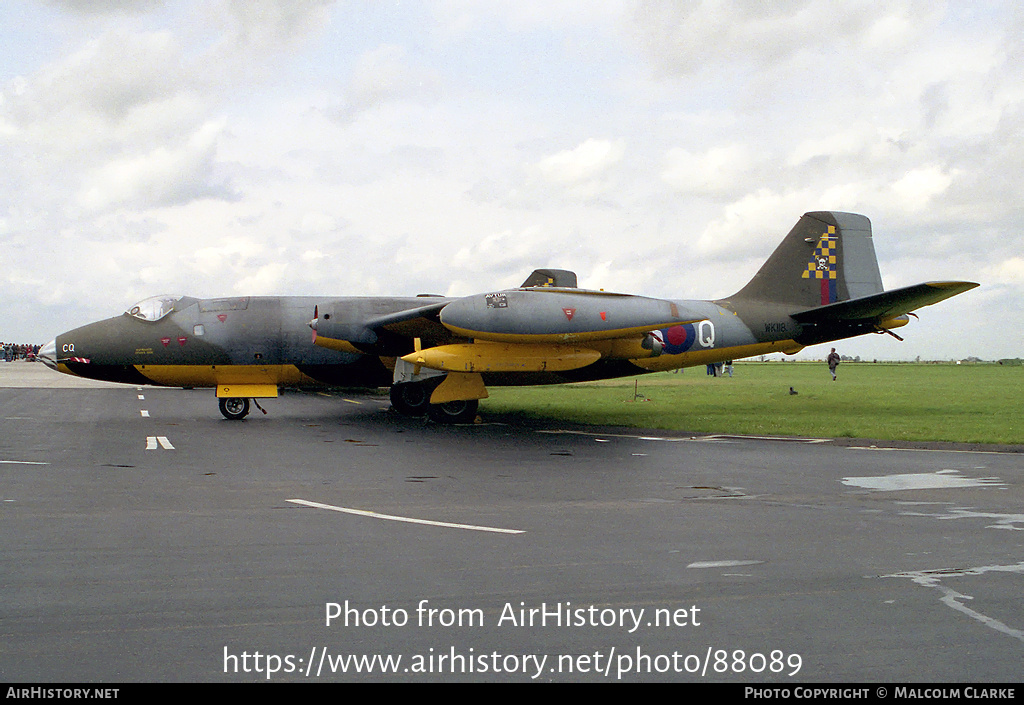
<point x="833" y="362"/>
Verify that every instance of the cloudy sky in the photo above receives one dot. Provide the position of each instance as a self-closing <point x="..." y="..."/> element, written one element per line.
<point x="452" y="146"/>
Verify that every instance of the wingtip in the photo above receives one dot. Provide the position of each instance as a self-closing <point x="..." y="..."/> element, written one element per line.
<point x="958" y="286"/>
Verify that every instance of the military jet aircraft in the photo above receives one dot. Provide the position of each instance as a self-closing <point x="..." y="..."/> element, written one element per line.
<point x="439" y="354"/>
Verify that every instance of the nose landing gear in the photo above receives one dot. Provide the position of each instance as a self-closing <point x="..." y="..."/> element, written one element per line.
<point x="234" y="408"/>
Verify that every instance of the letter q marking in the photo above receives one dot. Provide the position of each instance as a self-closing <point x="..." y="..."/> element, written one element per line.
<point x="706" y="334"/>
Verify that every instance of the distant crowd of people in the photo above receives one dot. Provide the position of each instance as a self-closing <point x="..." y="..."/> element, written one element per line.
<point x="718" y="369"/>
<point x="15" y="351"/>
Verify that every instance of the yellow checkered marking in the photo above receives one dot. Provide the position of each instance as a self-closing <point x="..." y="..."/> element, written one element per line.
<point x="823" y="262"/>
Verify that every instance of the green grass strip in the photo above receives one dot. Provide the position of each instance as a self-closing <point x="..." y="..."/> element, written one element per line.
<point x="969" y="403"/>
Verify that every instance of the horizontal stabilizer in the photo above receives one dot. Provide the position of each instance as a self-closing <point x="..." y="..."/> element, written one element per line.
<point x="885" y="305"/>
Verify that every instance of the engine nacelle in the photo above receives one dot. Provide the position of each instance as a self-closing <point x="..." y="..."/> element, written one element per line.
<point x="559" y="316"/>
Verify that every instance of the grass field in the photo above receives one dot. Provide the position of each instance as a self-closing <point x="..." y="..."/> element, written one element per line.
<point x="977" y="403"/>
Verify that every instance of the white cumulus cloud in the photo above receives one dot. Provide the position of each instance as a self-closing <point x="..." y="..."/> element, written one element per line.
<point x="587" y="161"/>
<point x="163" y="176"/>
<point x="717" y="171"/>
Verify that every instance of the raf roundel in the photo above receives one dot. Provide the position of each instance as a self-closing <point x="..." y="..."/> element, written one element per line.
<point x="679" y="339"/>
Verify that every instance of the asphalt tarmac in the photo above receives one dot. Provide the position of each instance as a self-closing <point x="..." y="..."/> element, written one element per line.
<point x="145" y="538"/>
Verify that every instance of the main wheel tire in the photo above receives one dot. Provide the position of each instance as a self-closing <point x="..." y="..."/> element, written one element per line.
<point x="412" y="398"/>
<point x="454" y="411"/>
<point x="234" y="408"/>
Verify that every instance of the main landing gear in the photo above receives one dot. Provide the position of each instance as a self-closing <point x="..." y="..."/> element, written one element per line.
<point x="454" y="411"/>
<point x="413" y="399"/>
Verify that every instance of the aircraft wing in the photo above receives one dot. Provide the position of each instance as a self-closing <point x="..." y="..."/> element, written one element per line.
<point x="884" y="305"/>
<point x="420" y="322"/>
<point x="340" y="324"/>
<point x="392" y="319"/>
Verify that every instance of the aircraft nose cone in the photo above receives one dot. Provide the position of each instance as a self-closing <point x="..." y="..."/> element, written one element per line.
<point x="48" y="354"/>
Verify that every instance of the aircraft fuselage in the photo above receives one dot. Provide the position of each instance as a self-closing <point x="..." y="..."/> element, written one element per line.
<point x="267" y="340"/>
<point x="212" y="342"/>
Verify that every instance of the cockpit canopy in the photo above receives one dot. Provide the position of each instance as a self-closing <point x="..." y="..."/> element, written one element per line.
<point x="154" y="308"/>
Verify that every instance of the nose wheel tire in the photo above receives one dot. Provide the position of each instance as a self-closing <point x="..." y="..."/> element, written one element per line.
<point x="234" y="408"/>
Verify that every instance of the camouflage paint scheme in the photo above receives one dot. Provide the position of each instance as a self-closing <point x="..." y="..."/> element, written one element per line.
<point x="439" y="354"/>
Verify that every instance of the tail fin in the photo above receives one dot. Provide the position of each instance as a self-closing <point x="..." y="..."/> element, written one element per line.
<point x="827" y="257"/>
<point x="551" y="277"/>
